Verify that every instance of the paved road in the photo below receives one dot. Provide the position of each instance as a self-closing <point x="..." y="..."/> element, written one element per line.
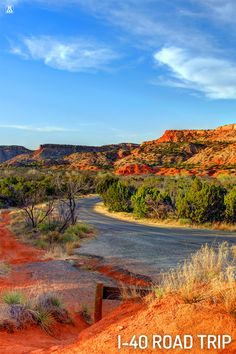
<point x="139" y="248"/>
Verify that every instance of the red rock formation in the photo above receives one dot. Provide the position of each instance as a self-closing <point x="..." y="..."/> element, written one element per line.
<point x="134" y="169"/>
<point x="223" y="133"/>
<point x="176" y="152"/>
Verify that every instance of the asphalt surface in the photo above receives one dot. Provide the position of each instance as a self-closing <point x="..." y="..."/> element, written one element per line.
<point x="139" y="248"/>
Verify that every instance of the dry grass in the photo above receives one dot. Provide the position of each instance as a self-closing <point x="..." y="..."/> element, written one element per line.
<point x="132" y="292"/>
<point x="234" y="251"/>
<point x="208" y="275"/>
<point x="223" y="226"/>
<point x="56" y="252"/>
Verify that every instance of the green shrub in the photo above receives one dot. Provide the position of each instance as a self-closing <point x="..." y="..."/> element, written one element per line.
<point x="202" y="202"/>
<point x="230" y="205"/>
<point x="43" y="244"/>
<point x="185" y="221"/>
<point x="104" y="183"/>
<point x="139" y="200"/>
<point x="49" y="225"/>
<point x="118" y="197"/>
<point x="75" y="232"/>
<point x="150" y="202"/>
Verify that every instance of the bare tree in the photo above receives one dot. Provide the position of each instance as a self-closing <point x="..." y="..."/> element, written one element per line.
<point x="29" y="201"/>
<point x="69" y="188"/>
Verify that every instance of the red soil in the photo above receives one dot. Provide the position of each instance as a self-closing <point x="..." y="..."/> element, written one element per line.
<point x="34" y="339"/>
<point x="120" y="276"/>
<point x="169" y="316"/>
<point x="31" y="339"/>
<point x="12" y="251"/>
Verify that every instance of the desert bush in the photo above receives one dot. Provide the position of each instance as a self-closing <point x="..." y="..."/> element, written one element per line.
<point x="75" y="232"/>
<point x="44" y="310"/>
<point x="202" y="202"/>
<point x="150" y="202"/>
<point x="230" y="205"/>
<point x="105" y="182"/>
<point x="139" y="200"/>
<point x="43" y="244"/>
<point x="49" y="225"/>
<point x="118" y="197"/>
<point x="50" y="303"/>
<point x="23" y="316"/>
<point x="53" y="237"/>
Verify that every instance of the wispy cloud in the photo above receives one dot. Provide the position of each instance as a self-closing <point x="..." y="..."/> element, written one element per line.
<point x="73" y="55"/>
<point x="215" y="78"/>
<point x="148" y="20"/>
<point x="46" y="129"/>
<point x="145" y="24"/>
<point x="221" y="9"/>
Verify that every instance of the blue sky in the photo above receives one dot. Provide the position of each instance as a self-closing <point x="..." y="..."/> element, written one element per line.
<point x="108" y="71"/>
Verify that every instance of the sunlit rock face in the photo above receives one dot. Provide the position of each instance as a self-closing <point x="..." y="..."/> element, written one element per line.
<point x="186" y="152"/>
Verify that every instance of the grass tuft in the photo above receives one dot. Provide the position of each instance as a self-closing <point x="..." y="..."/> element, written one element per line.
<point x="13" y="297"/>
<point x="45" y="319"/>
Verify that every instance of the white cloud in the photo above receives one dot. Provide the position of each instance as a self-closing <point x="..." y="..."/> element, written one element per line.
<point x="216" y="78"/>
<point x="71" y="55"/>
<point x="46" y="129"/>
<point x="151" y="24"/>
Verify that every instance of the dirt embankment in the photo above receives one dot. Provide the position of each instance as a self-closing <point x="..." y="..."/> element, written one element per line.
<point x="167" y="316"/>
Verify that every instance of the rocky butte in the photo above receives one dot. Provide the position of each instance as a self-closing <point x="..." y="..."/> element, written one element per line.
<point x="185" y="152"/>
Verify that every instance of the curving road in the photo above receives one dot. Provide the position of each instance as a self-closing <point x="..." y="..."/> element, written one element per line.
<point x="139" y="248"/>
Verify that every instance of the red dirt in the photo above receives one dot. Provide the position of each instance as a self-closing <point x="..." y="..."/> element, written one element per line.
<point x="31" y="339"/>
<point x="169" y="316"/>
<point x="12" y="251"/>
<point x="111" y="272"/>
<point x="34" y="339"/>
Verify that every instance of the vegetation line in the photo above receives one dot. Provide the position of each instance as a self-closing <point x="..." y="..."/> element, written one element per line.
<point x="193" y="202"/>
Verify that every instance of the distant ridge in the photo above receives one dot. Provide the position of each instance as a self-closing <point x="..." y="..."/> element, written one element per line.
<point x="203" y="152"/>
